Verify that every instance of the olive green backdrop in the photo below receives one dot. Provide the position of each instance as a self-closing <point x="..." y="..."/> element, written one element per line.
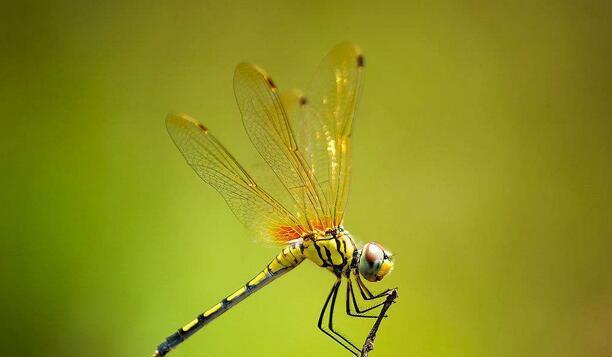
<point x="481" y="159"/>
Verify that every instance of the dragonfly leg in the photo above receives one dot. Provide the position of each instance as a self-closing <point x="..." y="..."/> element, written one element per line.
<point x="332" y="297"/>
<point x="365" y="292"/>
<point x="331" y="316"/>
<point x="350" y="297"/>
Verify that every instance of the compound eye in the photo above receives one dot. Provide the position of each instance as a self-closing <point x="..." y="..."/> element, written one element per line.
<point x="372" y="256"/>
<point x="373" y="253"/>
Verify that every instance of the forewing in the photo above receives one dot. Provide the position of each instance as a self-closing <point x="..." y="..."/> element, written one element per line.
<point x="328" y="121"/>
<point x="311" y="135"/>
<point x="267" y="125"/>
<point x="254" y="207"/>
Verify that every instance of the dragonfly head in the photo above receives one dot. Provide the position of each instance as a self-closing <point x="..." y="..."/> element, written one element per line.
<point x="374" y="262"/>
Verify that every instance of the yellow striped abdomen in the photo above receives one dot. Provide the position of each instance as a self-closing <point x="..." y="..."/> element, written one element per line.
<point x="290" y="257"/>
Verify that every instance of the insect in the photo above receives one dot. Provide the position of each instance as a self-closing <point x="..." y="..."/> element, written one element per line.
<point x="306" y="143"/>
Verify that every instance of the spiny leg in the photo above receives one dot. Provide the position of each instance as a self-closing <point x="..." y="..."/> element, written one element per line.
<point x="331" y="316"/>
<point x="390" y="299"/>
<point x="333" y="294"/>
<point x="365" y="292"/>
<point x="350" y="295"/>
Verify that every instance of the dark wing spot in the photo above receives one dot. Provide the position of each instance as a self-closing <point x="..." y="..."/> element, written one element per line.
<point x="271" y="83"/>
<point x="360" y="61"/>
<point x="202" y="127"/>
<point x="303" y="101"/>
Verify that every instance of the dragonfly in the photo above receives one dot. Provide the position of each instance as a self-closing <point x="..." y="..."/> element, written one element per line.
<point x="305" y="140"/>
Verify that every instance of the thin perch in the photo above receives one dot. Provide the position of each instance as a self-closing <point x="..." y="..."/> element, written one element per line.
<point x="368" y="345"/>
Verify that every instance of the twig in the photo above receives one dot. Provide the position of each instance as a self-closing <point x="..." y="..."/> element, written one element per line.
<point x="368" y="345"/>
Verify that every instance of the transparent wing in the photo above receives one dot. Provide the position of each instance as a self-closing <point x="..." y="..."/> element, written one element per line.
<point x="326" y="121"/>
<point x="266" y="122"/>
<point x="254" y="207"/>
<point x="312" y="137"/>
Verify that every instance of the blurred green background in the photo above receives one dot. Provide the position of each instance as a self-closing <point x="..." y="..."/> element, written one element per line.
<point x="482" y="159"/>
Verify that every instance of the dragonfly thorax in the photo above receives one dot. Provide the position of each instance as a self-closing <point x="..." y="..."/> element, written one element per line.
<point x="334" y="250"/>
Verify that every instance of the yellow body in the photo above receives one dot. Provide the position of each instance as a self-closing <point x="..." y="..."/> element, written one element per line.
<point x="332" y="251"/>
<point x="306" y="143"/>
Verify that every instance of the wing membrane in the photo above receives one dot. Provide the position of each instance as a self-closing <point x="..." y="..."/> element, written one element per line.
<point x="306" y="143"/>
<point x="311" y="134"/>
<point x="266" y="122"/>
<point x="325" y="124"/>
<point x="254" y="207"/>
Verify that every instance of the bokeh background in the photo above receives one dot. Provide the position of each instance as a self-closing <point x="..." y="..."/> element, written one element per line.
<point x="481" y="159"/>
